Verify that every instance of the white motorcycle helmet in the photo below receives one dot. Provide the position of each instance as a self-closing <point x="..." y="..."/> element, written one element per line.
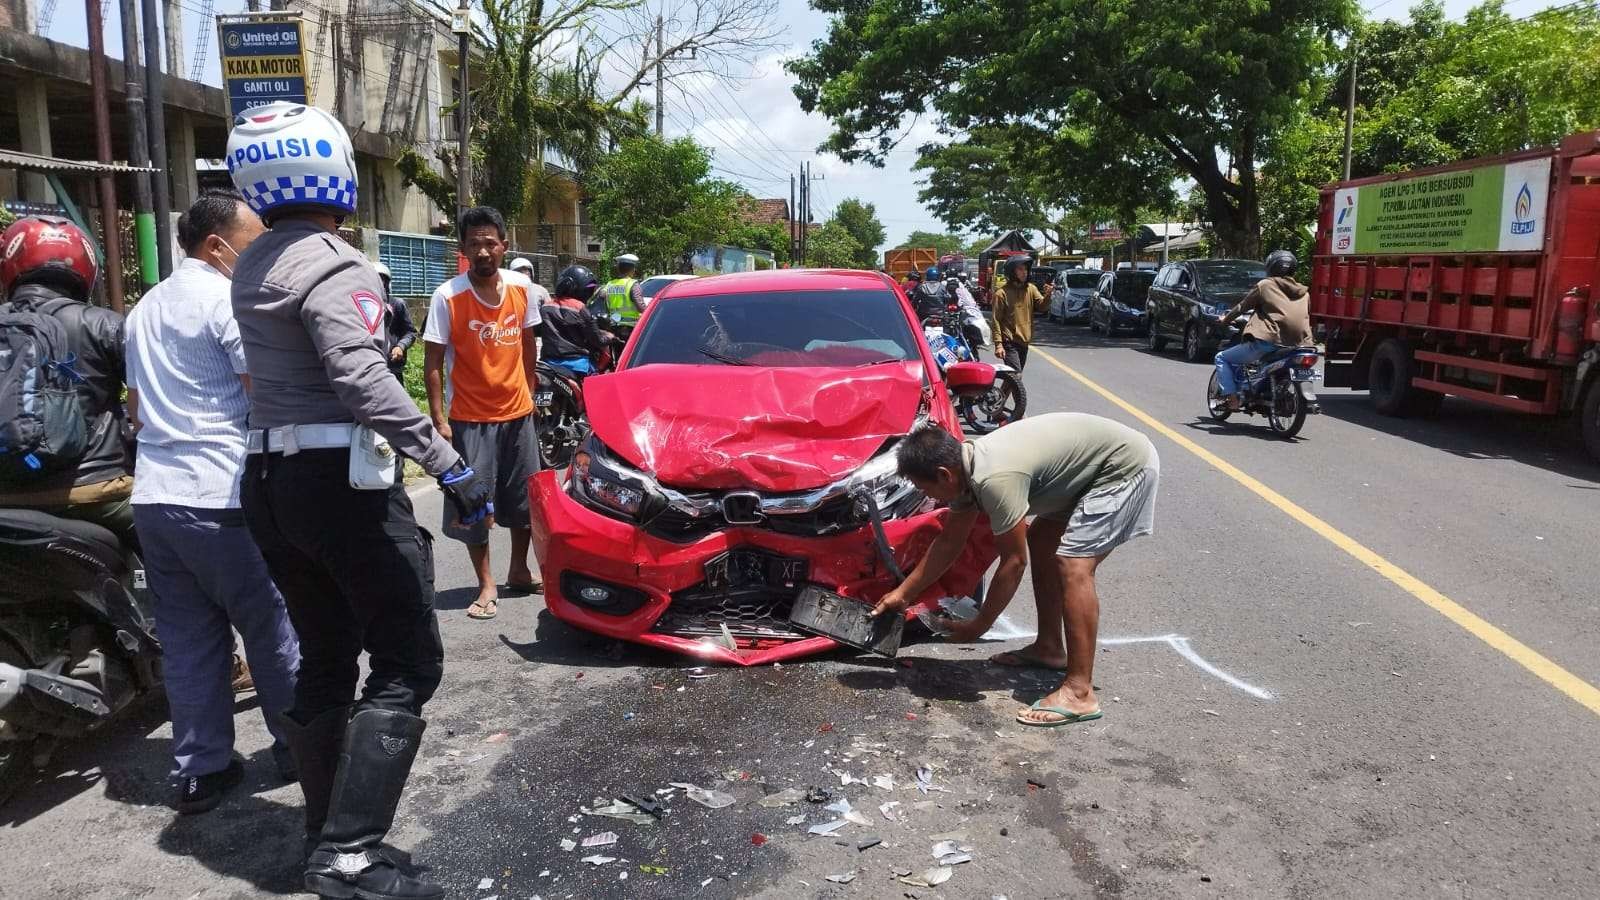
<point x="522" y="264"/>
<point x="285" y="155"/>
<point x="382" y="270"/>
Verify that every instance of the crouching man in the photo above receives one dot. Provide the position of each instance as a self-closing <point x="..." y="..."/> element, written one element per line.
<point x="1090" y="482"/>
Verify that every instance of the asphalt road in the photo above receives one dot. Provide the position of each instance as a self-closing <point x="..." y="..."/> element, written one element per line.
<point x="1356" y="665"/>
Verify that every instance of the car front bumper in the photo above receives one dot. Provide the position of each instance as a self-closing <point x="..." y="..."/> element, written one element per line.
<point x="669" y="599"/>
<point x="1132" y="320"/>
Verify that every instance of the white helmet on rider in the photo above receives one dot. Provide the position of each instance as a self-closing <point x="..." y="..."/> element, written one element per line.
<point x="286" y="155"/>
<point x="522" y="264"/>
<point x="382" y="270"/>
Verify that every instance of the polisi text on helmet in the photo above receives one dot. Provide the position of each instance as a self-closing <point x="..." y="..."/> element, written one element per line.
<point x="277" y="148"/>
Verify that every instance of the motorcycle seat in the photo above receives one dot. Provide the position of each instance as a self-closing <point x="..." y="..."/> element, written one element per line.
<point x="1285" y="353"/>
<point x="29" y="525"/>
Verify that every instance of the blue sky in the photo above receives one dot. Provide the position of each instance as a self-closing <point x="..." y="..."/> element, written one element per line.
<point x="754" y="126"/>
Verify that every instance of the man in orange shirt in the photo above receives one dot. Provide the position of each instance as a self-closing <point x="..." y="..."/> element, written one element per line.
<point x="480" y="334"/>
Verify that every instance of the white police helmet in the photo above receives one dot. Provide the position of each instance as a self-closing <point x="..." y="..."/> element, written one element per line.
<point x="382" y="270"/>
<point x="291" y="155"/>
<point x="628" y="259"/>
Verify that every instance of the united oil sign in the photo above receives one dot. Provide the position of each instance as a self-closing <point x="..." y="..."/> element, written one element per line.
<point x="263" y="59"/>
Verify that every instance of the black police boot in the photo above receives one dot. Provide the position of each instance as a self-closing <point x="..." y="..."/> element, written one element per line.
<point x="379" y="747"/>
<point x="315" y="748"/>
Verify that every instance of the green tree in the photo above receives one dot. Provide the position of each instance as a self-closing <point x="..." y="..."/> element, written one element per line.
<point x="861" y="220"/>
<point x="832" y="247"/>
<point x="658" y="200"/>
<point x="1195" y="86"/>
<point x="943" y="243"/>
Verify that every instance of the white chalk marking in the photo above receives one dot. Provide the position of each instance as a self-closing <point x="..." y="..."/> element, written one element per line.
<point x="1181" y="644"/>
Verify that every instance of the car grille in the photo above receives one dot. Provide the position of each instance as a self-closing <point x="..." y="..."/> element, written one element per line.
<point x="754" y="612"/>
<point x="834" y="517"/>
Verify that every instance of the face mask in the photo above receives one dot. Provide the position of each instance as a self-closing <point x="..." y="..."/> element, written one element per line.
<point x="235" y="253"/>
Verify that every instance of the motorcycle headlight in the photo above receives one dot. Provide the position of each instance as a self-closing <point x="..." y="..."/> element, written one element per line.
<point x="609" y="485"/>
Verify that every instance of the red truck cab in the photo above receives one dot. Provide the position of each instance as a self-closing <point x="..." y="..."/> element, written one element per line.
<point x="1475" y="279"/>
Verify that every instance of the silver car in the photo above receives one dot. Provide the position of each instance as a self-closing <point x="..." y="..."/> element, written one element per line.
<point x="1070" y="295"/>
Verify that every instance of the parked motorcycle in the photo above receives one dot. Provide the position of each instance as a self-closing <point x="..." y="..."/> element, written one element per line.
<point x="1280" y="386"/>
<point x="558" y="415"/>
<point x="77" y="640"/>
<point x="1005" y="399"/>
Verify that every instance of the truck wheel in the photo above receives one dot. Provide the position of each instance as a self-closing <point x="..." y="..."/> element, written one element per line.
<point x="1389" y="381"/>
<point x="1589" y="419"/>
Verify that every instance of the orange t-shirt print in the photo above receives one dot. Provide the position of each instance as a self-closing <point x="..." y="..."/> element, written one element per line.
<point x="487" y="381"/>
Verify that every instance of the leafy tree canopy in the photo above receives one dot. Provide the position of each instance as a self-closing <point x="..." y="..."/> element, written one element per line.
<point x="657" y="199"/>
<point x="944" y="243"/>
<point x="832" y="247"/>
<point x="861" y="220"/>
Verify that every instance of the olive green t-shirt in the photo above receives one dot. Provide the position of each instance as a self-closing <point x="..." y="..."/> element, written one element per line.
<point x="1042" y="466"/>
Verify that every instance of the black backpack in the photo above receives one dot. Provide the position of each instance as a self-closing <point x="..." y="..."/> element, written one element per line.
<point x="43" y="429"/>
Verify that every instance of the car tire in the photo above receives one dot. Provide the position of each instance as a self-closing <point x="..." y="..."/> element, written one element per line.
<point x="1153" y="340"/>
<point x="1193" y="349"/>
<point x="1389" y="382"/>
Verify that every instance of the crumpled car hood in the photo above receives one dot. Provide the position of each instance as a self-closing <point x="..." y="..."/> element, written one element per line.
<point x="765" y="429"/>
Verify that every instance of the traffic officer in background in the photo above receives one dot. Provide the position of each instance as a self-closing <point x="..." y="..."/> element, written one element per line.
<point x="624" y="294"/>
<point x="320" y="497"/>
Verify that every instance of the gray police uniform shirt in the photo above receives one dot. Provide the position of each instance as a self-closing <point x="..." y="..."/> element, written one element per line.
<point x="310" y="313"/>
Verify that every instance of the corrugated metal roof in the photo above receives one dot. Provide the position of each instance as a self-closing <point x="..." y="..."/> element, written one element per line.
<point x="16" y="159"/>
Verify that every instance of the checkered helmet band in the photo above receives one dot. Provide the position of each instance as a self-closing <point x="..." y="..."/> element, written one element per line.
<point x="290" y="154"/>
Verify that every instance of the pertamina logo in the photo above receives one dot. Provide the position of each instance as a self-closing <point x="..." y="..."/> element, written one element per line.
<point x="1349" y="207"/>
<point x="1522" y="212"/>
<point x="506" y="332"/>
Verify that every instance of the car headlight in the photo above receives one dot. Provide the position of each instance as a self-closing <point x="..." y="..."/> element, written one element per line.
<point x="1219" y="312"/>
<point x="609" y="485"/>
<point x="880" y="479"/>
<point x="1120" y="306"/>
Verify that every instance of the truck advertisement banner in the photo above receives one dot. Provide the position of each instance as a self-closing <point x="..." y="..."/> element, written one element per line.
<point x="263" y="60"/>
<point x="1494" y="208"/>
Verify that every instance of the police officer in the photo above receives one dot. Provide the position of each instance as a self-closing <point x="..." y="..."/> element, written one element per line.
<point x="354" y="568"/>
<point x="624" y="294"/>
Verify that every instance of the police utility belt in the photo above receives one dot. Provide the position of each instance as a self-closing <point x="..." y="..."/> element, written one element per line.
<point x="372" y="460"/>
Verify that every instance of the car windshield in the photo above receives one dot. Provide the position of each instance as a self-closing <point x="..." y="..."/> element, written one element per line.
<point x="1229" y="276"/>
<point x="1131" y="288"/>
<point x="1082" y="281"/>
<point x="653" y="286"/>
<point x="779" y="328"/>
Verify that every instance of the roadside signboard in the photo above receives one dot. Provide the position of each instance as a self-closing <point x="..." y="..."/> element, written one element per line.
<point x="1487" y="209"/>
<point x="263" y="59"/>
<point x="1105" y="231"/>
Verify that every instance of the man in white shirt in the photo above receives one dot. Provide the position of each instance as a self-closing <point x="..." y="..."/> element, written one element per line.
<point x="187" y="398"/>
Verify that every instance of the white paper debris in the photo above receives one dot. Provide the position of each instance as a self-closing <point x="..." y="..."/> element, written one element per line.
<point x="886" y="782"/>
<point x="599" y="860"/>
<point x="569" y="844"/>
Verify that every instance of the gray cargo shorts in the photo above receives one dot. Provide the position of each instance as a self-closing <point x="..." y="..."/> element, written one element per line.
<point x="506" y="453"/>
<point x="1110" y="516"/>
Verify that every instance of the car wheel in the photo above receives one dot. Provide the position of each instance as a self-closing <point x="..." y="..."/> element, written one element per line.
<point x="1193" y="349"/>
<point x="1154" y="341"/>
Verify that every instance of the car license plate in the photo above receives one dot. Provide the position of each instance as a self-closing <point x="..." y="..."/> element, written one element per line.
<point x="544" y="398"/>
<point x="755" y="568"/>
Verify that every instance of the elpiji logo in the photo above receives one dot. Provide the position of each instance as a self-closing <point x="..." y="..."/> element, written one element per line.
<point x="1349" y="207"/>
<point x="1522" y="212"/>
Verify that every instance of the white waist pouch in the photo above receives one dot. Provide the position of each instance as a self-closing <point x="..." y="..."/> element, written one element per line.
<point x="372" y="460"/>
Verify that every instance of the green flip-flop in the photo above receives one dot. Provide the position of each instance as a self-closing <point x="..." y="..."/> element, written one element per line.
<point x="1068" y="717"/>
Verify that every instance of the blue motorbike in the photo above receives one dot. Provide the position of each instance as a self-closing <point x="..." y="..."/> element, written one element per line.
<point x="1280" y="386"/>
<point x="983" y="407"/>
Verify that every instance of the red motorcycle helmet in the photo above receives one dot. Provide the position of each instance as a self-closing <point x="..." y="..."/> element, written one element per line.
<point x="47" y="249"/>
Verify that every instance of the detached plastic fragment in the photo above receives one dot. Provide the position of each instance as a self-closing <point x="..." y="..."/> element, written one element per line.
<point x="787" y="797"/>
<point x="603" y="839"/>
<point x="620" y="809"/>
<point x="930" y="878"/>
<point x="889" y="810"/>
<point x="598" y="860"/>
<point x="706" y="797"/>
<point x="886" y="782"/>
<point x="950" y="853"/>
<point x="568" y="844"/>
<point x="827" y="828"/>
<point x="795" y="820"/>
<point x="925" y="781"/>
<point x="843" y="877"/>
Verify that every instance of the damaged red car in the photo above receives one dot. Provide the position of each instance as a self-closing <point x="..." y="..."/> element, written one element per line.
<point x="739" y="454"/>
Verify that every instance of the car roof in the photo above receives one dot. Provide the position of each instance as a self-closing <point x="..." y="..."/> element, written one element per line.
<point x="671" y="277"/>
<point x="775" y="280"/>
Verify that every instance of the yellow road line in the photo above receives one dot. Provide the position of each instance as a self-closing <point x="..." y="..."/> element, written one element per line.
<point x="1520" y="653"/>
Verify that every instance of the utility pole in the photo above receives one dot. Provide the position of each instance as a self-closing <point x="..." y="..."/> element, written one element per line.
<point x="661" y="94"/>
<point x="156" y="123"/>
<point x="1350" y="106"/>
<point x="792" y="248"/>
<point x="805" y="212"/>
<point x="463" y="29"/>
<point x="110" y="223"/>
<point x="144" y="221"/>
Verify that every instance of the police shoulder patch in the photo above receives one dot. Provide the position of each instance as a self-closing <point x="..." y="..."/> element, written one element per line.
<point x="370" y="307"/>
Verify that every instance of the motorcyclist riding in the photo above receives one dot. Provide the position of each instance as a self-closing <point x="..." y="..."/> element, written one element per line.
<point x="624" y="294"/>
<point x="1282" y="318"/>
<point x="570" y="338"/>
<point x="929" y="297"/>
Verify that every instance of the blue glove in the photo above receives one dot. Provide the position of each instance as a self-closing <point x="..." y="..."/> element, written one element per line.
<point x="470" y="493"/>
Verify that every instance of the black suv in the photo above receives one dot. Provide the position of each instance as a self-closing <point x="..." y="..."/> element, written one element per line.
<point x="1189" y="299"/>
